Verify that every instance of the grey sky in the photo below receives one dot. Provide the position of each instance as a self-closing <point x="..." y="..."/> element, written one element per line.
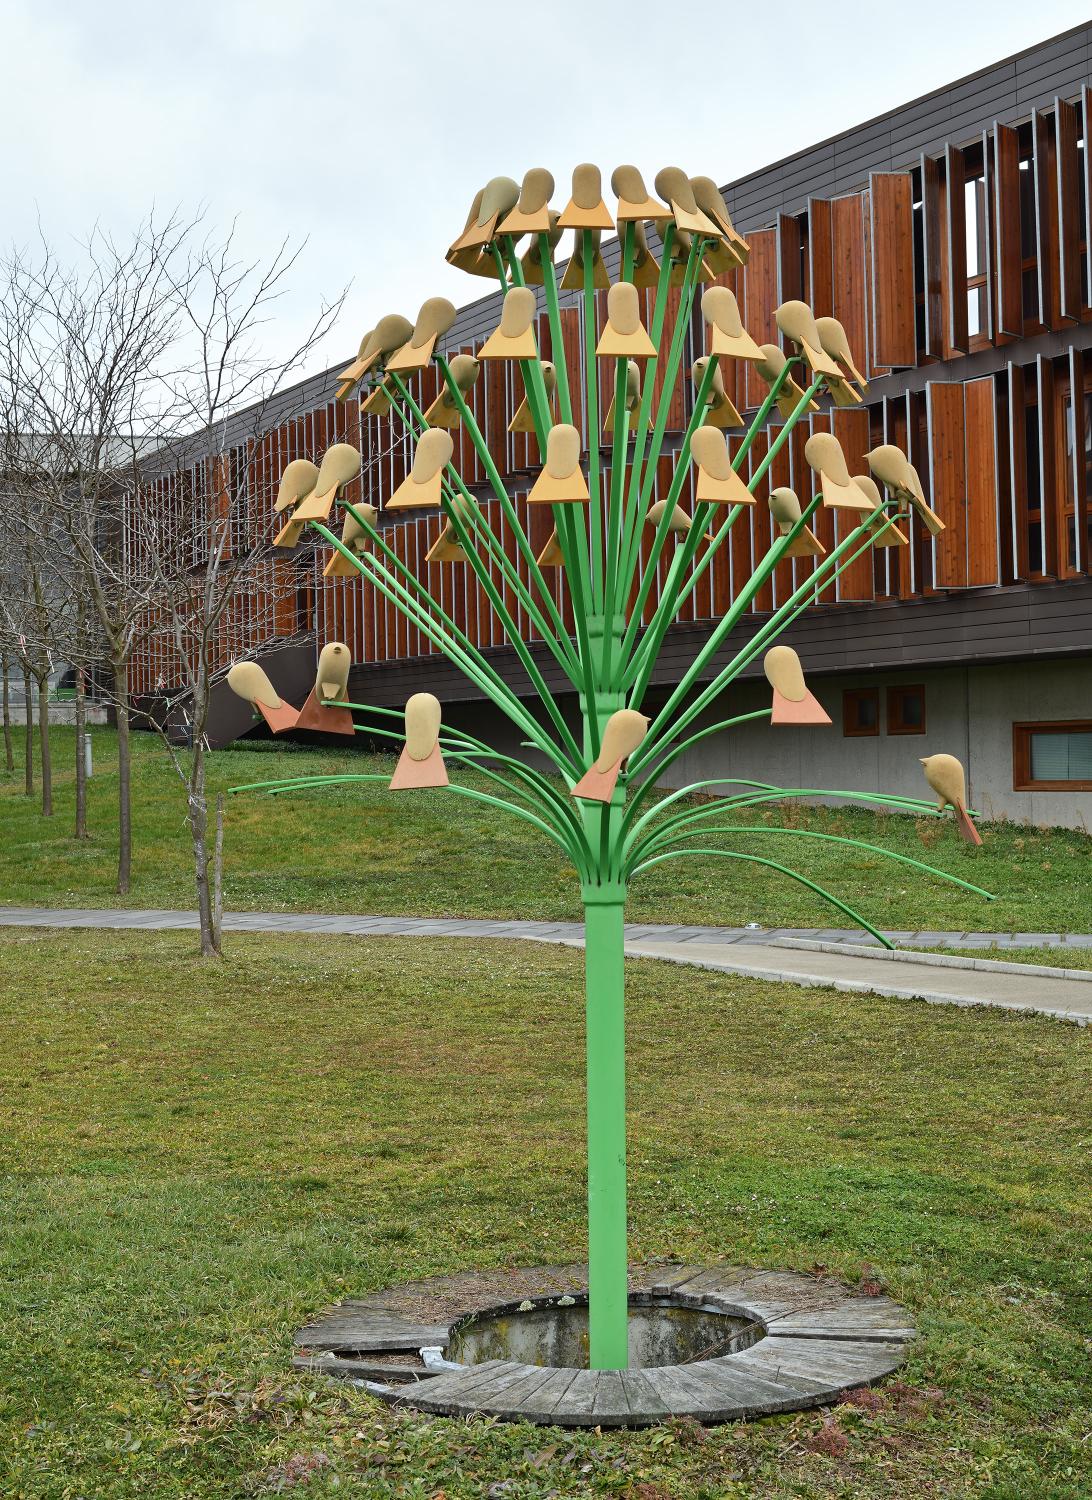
<point x="368" y="126"/>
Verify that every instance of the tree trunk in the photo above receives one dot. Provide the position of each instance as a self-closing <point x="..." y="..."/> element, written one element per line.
<point x="28" y="702"/>
<point x="199" y="823"/>
<point x="218" y="872"/>
<point x="9" y="748"/>
<point x="608" y="1267"/>
<point x="125" y="795"/>
<point x="81" y="763"/>
<point x="43" y="746"/>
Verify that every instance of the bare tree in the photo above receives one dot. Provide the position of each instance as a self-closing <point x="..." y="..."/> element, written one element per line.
<point x="196" y="540"/>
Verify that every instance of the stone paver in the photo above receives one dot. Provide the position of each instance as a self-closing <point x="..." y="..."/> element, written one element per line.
<point x="844" y="960"/>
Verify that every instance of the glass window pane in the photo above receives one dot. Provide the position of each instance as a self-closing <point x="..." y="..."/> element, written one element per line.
<point x="1061" y="757"/>
<point x="1080" y="757"/>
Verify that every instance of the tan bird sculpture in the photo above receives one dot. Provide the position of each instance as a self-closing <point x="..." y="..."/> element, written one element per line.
<point x="624" y="336"/>
<point x="514" y="336"/>
<point x="499" y="196"/>
<point x="247" y="680"/>
<point x="892" y="468"/>
<point x="679" y="524"/>
<point x="421" y="763"/>
<point x="297" y="481"/>
<point x="785" y="509"/>
<point x="946" y="776"/>
<point x="389" y="334"/>
<point x="434" y="319"/>
<point x="531" y="214"/>
<point x="833" y="340"/>
<point x="634" y="202"/>
<point x="622" y="733"/>
<point x="721" y="411"/>
<point x="646" y="268"/>
<point x="790" y="395"/>
<point x="447" y="547"/>
<point x="355" y="537"/>
<point x="729" y="337"/>
<point x="331" y="681"/>
<point x="561" y="481"/>
<point x="675" y="188"/>
<point x="444" y="412"/>
<point x="797" y="322"/>
<point x="523" y="419"/>
<point x="793" y="703"/>
<point x="717" y="482"/>
<point x="710" y="200"/>
<point x="586" y="209"/>
<point x="340" y="466"/>
<point x="823" y="453"/>
<point x="632" y="399"/>
<point x="423" y="486"/>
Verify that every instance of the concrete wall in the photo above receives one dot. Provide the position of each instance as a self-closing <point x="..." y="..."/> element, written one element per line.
<point x="969" y="713"/>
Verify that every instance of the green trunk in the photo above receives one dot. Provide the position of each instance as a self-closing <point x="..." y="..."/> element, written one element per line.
<point x="608" y="1271"/>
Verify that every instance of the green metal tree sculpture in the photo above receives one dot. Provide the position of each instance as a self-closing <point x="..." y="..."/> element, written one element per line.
<point x="602" y="806"/>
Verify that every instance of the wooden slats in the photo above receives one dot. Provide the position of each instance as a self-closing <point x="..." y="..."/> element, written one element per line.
<point x="760" y="297"/>
<point x="948" y="481"/>
<point x="956" y="206"/>
<point x="1009" y="311"/>
<point x="1053" y="524"/>
<point x="820" y="258"/>
<point x="980" y="427"/>
<point x="850" y="271"/>
<point x="891" y="209"/>
<point x="790" y="281"/>
<point x="1046" y="220"/>
<point x="1068" y="209"/>
<point x="1077" y="477"/>
<point x="932" y="282"/>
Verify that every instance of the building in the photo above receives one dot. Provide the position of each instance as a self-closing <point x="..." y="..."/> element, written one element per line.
<point x="951" y="237"/>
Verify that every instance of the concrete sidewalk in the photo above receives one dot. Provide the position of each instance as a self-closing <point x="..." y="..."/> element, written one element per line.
<point x="843" y="960"/>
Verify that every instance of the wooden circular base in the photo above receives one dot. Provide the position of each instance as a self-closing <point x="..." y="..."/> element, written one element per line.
<point x="817" y="1339"/>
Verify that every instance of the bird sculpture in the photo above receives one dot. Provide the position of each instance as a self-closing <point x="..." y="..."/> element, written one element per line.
<point x="634" y="202"/>
<point x="445" y="411"/>
<point x="833" y="341"/>
<point x="886" y="536"/>
<point x="793" y="703"/>
<point x="823" y="453"/>
<point x="710" y="200"/>
<point x="421" y="764"/>
<point x="423" y="486"/>
<point x="331" y="682"/>
<point x="797" y="322"/>
<point x="624" y="336"/>
<point x="340" y="466"/>
<point x="447" y="547"/>
<point x="586" y="208"/>
<point x="622" y="733"/>
<point x="523" y="419"/>
<point x="297" y="481"/>
<point x="721" y="411"/>
<point x="729" y="337"/>
<point x="675" y="188"/>
<point x="679" y="524"/>
<point x="514" y="336"/>
<point x="562" y="480"/>
<point x="531" y="214"/>
<point x="789" y="395"/>
<point x="247" y="680"/>
<point x="892" y="468"/>
<point x="433" y="321"/>
<point x="531" y="261"/>
<point x="389" y="334"/>
<point x="946" y="776"/>
<point x="785" y="509"/>
<point x="573" y="279"/>
<point x="717" y="482"/>
<point x="354" y="536"/>
<point x="632" y="397"/>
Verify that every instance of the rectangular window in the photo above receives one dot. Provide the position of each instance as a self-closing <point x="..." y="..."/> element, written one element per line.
<point x="906" y="709"/>
<point x="861" y="711"/>
<point x="1053" y="757"/>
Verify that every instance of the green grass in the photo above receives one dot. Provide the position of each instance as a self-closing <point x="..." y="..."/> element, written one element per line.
<point x="198" y="1156"/>
<point x="358" y="849"/>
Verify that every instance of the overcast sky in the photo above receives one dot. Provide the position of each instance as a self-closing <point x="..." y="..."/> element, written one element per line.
<point x="367" y="127"/>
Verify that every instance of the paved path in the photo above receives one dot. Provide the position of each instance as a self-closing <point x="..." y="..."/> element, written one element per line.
<point x="836" y="958"/>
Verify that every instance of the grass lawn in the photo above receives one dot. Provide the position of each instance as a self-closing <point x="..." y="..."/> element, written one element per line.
<point x="199" y="1155"/>
<point x="358" y="849"/>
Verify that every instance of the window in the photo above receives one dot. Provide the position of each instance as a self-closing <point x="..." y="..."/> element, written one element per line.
<point x="975" y="208"/>
<point x="861" y="711"/>
<point x="1052" y="757"/>
<point x="906" y="709"/>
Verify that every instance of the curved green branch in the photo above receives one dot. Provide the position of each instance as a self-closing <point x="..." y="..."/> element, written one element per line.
<point x="756" y="859"/>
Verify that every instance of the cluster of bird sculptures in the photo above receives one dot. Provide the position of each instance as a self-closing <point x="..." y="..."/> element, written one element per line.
<point x="603" y="805"/>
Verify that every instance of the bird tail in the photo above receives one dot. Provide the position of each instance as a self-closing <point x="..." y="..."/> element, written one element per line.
<point x="966" y="827"/>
